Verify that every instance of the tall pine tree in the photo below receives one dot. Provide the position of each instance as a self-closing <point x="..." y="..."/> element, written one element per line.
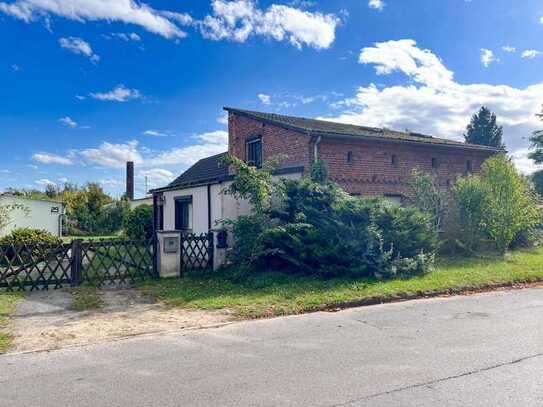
<point x="537" y="143"/>
<point x="483" y="130"/>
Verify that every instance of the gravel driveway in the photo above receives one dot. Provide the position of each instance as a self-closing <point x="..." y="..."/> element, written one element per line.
<point x="44" y="320"/>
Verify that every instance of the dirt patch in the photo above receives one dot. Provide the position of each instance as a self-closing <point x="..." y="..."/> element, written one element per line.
<point x="45" y="320"/>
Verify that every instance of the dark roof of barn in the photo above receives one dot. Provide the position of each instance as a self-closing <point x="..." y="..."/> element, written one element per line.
<point x="212" y="170"/>
<point x="331" y="129"/>
<point x="207" y="170"/>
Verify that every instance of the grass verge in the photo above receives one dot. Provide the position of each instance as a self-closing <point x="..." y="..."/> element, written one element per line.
<point x="8" y="301"/>
<point x="268" y="294"/>
<point x="85" y="298"/>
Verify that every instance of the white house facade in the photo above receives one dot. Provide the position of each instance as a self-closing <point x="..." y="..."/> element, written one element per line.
<point x="196" y="202"/>
<point x="34" y="214"/>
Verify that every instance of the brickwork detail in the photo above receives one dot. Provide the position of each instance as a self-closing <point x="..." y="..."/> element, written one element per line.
<point x="375" y="168"/>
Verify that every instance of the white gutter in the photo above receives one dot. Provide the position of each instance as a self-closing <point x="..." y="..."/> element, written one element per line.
<point x="316" y="149"/>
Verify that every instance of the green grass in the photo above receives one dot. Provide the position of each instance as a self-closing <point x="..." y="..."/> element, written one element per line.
<point x="7" y="306"/>
<point x="68" y="239"/>
<point x="86" y="298"/>
<point x="277" y="294"/>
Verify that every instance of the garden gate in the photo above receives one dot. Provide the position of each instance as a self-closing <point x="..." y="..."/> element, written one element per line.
<point x="99" y="262"/>
<point x="196" y="251"/>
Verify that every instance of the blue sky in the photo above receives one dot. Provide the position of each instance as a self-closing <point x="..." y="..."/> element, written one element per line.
<point x="88" y="84"/>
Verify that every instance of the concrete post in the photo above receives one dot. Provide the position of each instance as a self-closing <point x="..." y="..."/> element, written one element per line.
<point x="169" y="253"/>
<point x="220" y="249"/>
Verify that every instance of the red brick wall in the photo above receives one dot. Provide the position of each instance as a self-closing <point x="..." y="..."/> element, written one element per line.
<point x="275" y="140"/>
<point x="371" y="171"/>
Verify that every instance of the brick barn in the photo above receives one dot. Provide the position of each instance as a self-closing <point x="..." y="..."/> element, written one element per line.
<point x="365" y="161"/>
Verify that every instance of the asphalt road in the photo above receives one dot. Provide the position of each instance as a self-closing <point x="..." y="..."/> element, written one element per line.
<point x="484" y="350"/>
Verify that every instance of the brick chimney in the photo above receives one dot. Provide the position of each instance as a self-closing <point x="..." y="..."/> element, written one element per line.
<point x="130" y="180"/>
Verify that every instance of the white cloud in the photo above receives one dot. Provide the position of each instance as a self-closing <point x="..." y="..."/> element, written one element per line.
<point x="487" y="57"/>
<point x="44" y="182"/>
<point x="126" y="11"/>
<point x="16" y="67"/>
<point x="112" y="155"/>
<point x="530" y="54"/>
<point x="235" y="20"/>
<point x="223" y="118"/>
<point x="80" y="47"/>
<point x="63" y="180"/>
<point x="119" y="94"/>
<point x="209" y="144"/>
<point x="47" y="158"/>
<point x="126" y="37"/>
<point x="420" y="65"/>
<point x="157" y="176"/>
<point x="115" y="155"/>
<point x="238" y="20"/>
<point x="111" y="182"/>
<point x="155" y="133"/>
<point x="509" y="48"/>
<point x="376" y="4"/>
<point x="68" y="122"/>
<point x="265" y="99"/>
<point x="523" y="163"/>
<point x="434" y="103"/>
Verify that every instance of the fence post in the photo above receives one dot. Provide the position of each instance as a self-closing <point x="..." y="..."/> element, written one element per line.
<point x="76" y="262"/>
<point x="155" y="249"/>
<point x="210" y="249"/>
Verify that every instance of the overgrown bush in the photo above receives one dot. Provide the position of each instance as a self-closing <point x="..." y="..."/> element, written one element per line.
<point x="468" y="194"/>
<point x="138" y="223"/>
<point x="111" y="218"/>
<point x="25" y="245"/>
<point x="427" y="196"/>
<point x="497" y="205"/>
<point x="314" y="227"/>
<point x="28" y="236"/>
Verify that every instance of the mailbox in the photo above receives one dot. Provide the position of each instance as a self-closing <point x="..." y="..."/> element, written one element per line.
<point x="171" y="244"/>
<point x="222" y="239"/>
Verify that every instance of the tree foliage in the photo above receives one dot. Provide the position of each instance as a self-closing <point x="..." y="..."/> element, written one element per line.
<point x="483" y="129"/>
<point x="426" y="195"/>
<point x="89" y="210"/>
<point x="537" y="180"/>
<point x="497" y="204"/>
<point x="317" y="228"/>
<point x="138" y="223"/>
<point x="28" y="236"/>
<point x="251" y="183"/>
<point x="537" y="143"/>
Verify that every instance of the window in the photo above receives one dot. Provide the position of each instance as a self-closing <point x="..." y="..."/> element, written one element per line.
<point x="393" y="160"/>
<point x="254" y="152"/>
<point x="350" y="157"/>
<point x="435" y="163"/>
<point x="469" y="166"/>
<point x="183" y="213"/>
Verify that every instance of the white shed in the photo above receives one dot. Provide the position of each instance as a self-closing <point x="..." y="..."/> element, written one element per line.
<point x="196" y="202"/>
<point x="34" y="213"/>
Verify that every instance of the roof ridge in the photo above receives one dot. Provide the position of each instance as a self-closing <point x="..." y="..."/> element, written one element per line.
<point x="338" y="129"/>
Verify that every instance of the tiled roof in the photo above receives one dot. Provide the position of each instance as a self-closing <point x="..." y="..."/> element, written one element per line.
<point x="211" y="170"/>
<point x="328" y="128"/>
<point x="204" y="171"/>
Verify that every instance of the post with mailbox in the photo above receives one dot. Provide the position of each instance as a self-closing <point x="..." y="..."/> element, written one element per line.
<point x="169" y="253"/>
